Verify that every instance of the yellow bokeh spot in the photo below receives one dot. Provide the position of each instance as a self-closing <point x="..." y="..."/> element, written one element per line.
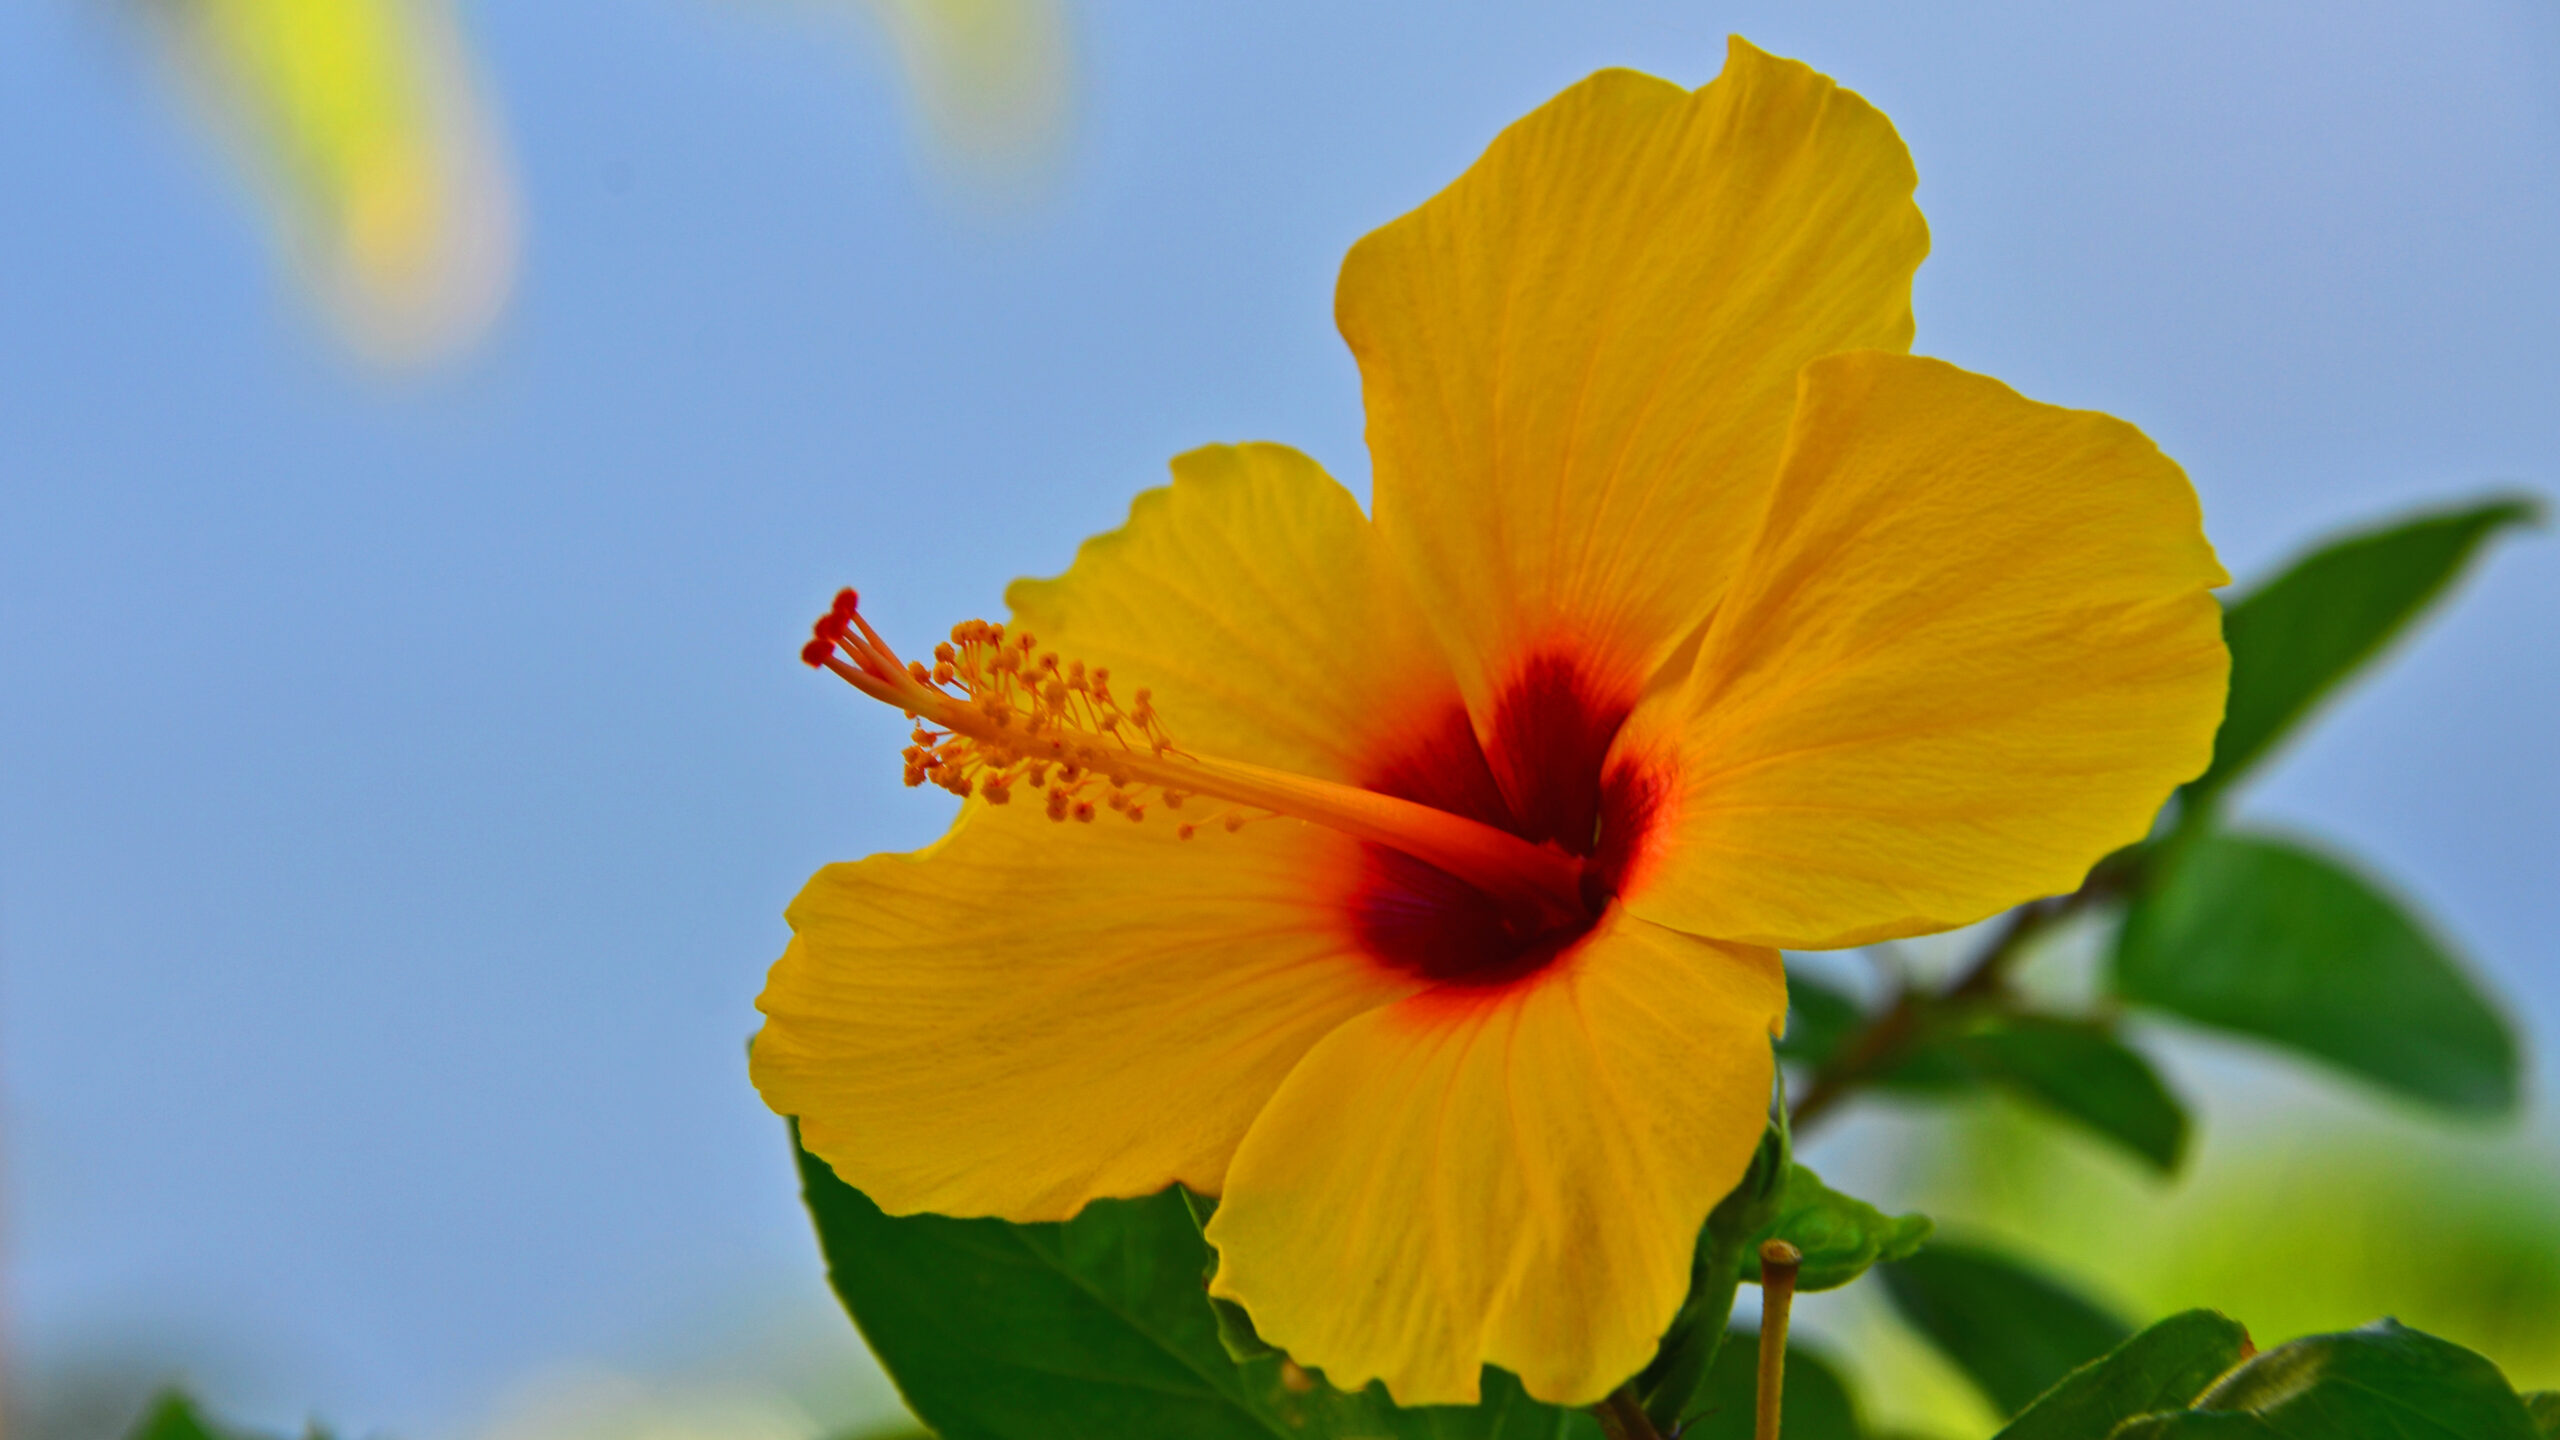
<point x="359" y="120"/>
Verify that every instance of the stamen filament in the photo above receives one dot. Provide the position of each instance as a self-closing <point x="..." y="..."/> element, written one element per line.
<point x="1057" y="718"/>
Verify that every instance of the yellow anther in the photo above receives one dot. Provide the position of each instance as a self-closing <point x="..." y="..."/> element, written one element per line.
<point x="943" y="654"/>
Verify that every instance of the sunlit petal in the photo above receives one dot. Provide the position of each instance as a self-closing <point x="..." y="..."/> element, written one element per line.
<point x="1251" y="597"/>
<point x="1510" y="1176"/>
<point x="1971" y="652"/>
<point x="1022" y="1018"/>
<point x="1578" y="358"/>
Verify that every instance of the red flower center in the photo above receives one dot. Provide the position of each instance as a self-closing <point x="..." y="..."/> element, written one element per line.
<point x="1543" y="775"/>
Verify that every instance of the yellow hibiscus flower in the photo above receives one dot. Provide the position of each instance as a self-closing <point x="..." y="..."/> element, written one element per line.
<point x="1696" y="620"/>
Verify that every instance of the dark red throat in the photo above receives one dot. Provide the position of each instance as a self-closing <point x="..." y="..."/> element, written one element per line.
<point x="1543" y="775"/>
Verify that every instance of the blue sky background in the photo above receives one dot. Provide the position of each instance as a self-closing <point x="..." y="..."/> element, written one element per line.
<point x="401" y="778"/>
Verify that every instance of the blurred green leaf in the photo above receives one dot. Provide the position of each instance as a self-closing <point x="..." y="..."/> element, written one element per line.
<point x="2011" y="1331"/>
<point x="2164" y="1368"/>
<point x="1819" y="1018"/>
<point x="2297" y="637"/>
<point x="1932" y="1070"/>
<point x="2082" y="1072"/>
<point x="1814" y="1404"/>
<point x="2270" y="939"/>
<point x="2383" y="1382"/>
<point x="1673" y="1385"/>
<point x="173" y="1416"/>
<point x="1099" y="1328"/>
<point x="2544" y="1407"/>
<point x="1840" y="1236"/>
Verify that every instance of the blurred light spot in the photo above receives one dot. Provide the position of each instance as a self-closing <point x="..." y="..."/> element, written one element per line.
<point x="991" y="83"/>
<point x="360" y="122"/>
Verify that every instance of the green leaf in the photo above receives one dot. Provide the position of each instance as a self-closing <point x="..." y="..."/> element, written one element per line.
<point x="2011" y="1331"/>
<point x="1096" y="1329"/>
<point x="2544" y="1407"/>
<point x="1673" y="1385"/>
<point x="2164" y="1368"/>
<point x="2383" y="1382"/>
<point x="1839" y="1235"/>
<point x="1813" y="1403"/>
<point x="2082" y="1072"/>
<point x="2299" y="636"/>
<point x="2272" y="940"/>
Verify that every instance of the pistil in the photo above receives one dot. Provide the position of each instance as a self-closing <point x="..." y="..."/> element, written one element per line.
<point x="1021" y="715"/>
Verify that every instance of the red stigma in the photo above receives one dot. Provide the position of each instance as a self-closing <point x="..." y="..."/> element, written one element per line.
<point x="817" y="653"/>
<point x="831" y="627"/>
<point x="846" y="603"/>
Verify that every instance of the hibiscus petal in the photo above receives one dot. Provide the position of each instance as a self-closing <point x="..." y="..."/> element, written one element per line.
<point x="1512" y="1176"/>
<point x="1252" y="598"/>
<point x="1578" y="359"/>
<point x="1024" y="1018"/>
<point x="1971" y="652"/>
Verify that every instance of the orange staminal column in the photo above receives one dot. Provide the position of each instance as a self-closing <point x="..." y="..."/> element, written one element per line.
<point x="996" y="713"/>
